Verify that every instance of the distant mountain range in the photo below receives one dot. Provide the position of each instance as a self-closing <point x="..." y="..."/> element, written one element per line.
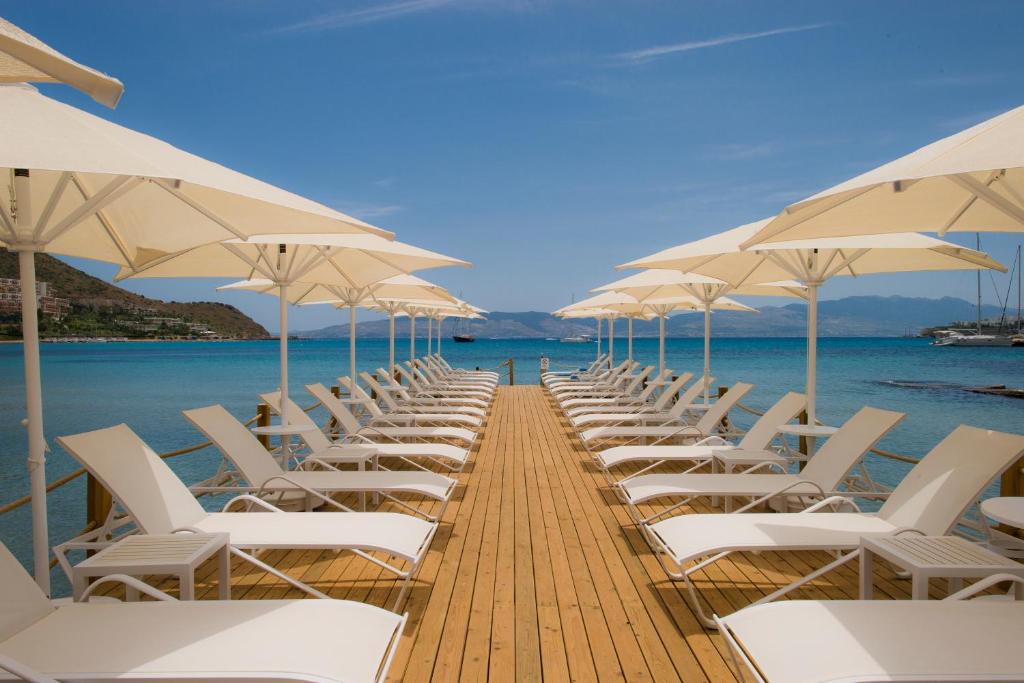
<point x="856" y="316"/>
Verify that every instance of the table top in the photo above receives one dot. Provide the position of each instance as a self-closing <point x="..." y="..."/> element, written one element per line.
<point x="1006" y="510"/>
<point x="808" y="430"/>
<point x="283" y="430"/>
<point x="938" y="552"/>
<point x="146" y="550"/>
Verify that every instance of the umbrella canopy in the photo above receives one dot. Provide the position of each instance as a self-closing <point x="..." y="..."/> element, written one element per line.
<point x="350" y="263"/>
<point x="970" y="181"/>
<point x="398" y="286"/>
<point x="812" y="262"/>
<point x="651" y="284"/>
<point x="26" y="59"/>
<point x="85" y="187"/>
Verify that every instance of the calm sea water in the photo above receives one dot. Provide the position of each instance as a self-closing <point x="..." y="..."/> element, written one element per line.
<point x="147" y="385"/>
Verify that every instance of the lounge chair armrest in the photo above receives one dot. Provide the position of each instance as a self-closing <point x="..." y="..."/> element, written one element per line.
<point x="682" y="431"/>
<point x="378" y="432"/>
<point x="128" y="582"/>
<point x="316" y="461"/>
<point x="714" y="439"/>
<point x="768" y="464"/>
<point x="832" y="501"/>
<point x="984" y="584"/>
<point x="252" y="500"/>
<point x="24" y="672"/>
<point x="780" y="491"/>
<point x="312" y="492"/>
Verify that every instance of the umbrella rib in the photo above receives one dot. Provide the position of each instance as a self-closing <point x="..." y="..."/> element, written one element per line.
<point x="302" y="267"/>
<point x="821" y="207"/>
<point x="750" y="272"/>
<point x="341" y="271"/>
<point x="988" y="195"/>
<point x="199" y="207"/>
<point x="269" y="273"/>
<point x="847" y="262"/>
<point x="110" y="192"/>
<point x="100" y="216"/>
<point x="6" y="221"/>
<point x="968" y="204"/>
<point x="51" y="203"/>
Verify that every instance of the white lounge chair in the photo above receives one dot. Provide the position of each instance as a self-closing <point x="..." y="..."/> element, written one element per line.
<point x="436" y="379"/>
<point x="443" y="374"/>
<point x="603" y="376"/>
<point x="579" y="372"/>
<point x="264" y="476"/>
<point x="417" y="393"/>
<point x="626" y="386"/>
<point x="159" y="503"/>
<point x="819" y="479"/>
<point x="624" y="401"/>
<point x="312" y="641"/>
<point x="387" y="395"/>
<point x="602" y="383"/>
<point x="672" y="425"/>
<point x="930" y="500"/>
<point x="857" y="641"/>
<point x="421" y="384"/>
<point x="657" y="412"/>
<point x="379" y="418"/>
<point x="440" y="361"/>
<point x="452" y="458"/>
<point x="753" y="445"/>
<point x="351" y="426"/>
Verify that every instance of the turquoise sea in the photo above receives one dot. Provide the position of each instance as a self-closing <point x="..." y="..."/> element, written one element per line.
<point x="146" y="385"/>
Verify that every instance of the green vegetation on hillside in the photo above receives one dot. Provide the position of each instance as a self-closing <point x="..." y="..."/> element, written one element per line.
<point x="100" y="309"/>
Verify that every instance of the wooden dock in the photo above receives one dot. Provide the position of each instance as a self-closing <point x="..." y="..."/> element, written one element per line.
<point x="537" y="573"/>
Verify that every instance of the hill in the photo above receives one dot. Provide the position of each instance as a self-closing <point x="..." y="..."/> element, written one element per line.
<point x="98" y="308"/>
<point x="858" y="316"/>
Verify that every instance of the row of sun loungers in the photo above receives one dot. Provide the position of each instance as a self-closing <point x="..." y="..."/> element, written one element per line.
<point x="953" y="639"/>
<point x="432" y="420"/>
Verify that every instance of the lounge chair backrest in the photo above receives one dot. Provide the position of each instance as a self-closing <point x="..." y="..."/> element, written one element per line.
<point x="315" y="439"/>
<point x="356" y="391"/>
<point x="940" y="488"/>
<point x="652" y="386"/>
<point x="637" y="379"/>
<point x="671" y="390"/>
<point x="349" y="423"/>
<point x="846" y="447"/>
<point x="763" y="431"/>
<point x="21" y="601"/>
<point x="688" y="396"/>
<point x="142" y="483"/>
<point x="720" y="408"/>
<point x="235" y="442"/>
<point x="382" y="393"/>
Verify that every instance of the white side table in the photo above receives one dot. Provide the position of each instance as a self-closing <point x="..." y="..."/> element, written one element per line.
<point x="175" y="554"/>
<point x="927" y="557"/>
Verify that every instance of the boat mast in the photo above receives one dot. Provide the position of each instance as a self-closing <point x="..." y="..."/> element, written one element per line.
<point x="977" y="242"/>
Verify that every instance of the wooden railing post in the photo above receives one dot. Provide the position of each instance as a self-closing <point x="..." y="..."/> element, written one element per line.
<point x="263" y="420"/>
<point x="511" y="371"/>
<point x="97" y="501"/>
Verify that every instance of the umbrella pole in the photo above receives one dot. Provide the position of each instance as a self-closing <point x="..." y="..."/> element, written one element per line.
<point x="439" y="321"/>
<point x="412" y="338"/>
<point x="352" y="342"/>
<point x="34" y="402"/>
<point x="661" y="345"/>
<point x="430" y="332"/>
<point x="599" y="338"/>
<point x="611" y="342"/>
<point x="391" y="342"/>
<point x="812" y="354"/>
<point x="707" y="352"/>
<point x="283" y="334"/>
<point x="629" y="339"/>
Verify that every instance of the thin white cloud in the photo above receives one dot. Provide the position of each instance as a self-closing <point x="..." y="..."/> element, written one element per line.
<point x="658" y="51"/>
<point x="373" y="12"/>
<point x="368" y="14"/>
<point x="366" y="211"/>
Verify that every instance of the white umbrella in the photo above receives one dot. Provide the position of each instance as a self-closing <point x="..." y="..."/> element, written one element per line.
<point x="85" y="187"/>
<point x="26" y="59"/>
<point x="348" y="262"/>
<point x="972" y="181"/>
<point x="657" y="283"/>
<point x="812" y="262"/>
<point x="409" y="286"/>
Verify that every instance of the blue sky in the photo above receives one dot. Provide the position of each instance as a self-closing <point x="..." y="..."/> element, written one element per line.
<point x="547" y="140"/>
